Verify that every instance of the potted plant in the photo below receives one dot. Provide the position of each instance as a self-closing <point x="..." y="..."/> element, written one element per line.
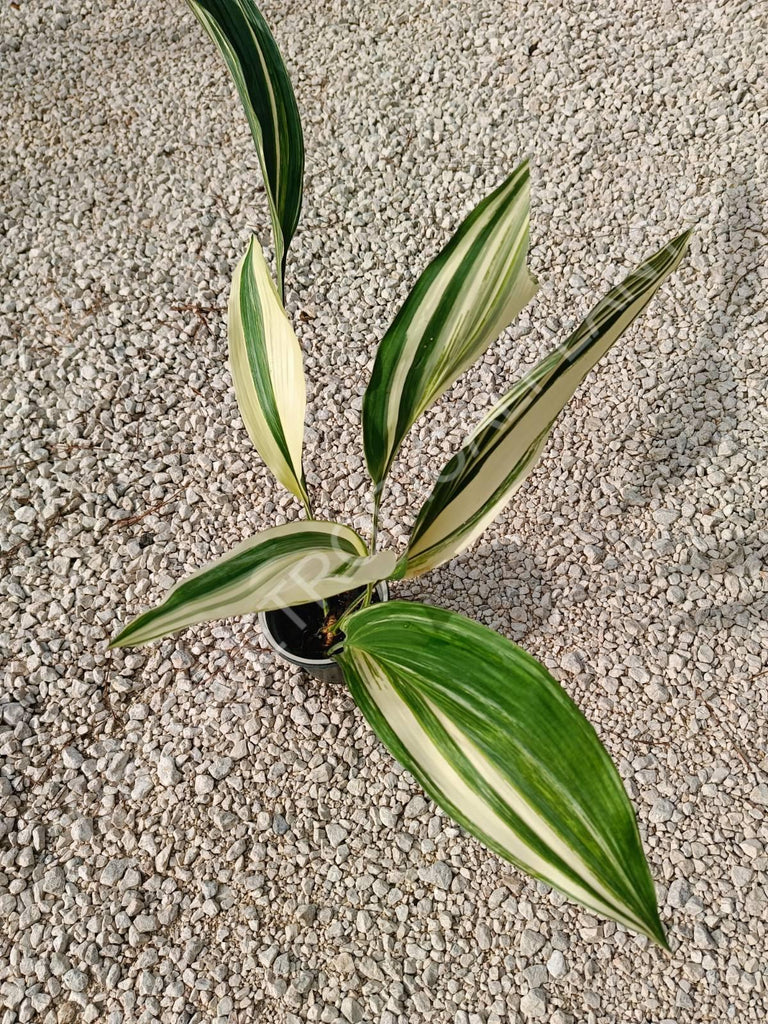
<point x="485" y="729"/>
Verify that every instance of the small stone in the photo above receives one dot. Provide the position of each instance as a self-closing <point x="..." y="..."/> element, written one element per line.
<point x="237" y="849"/>
<point x="220" y="769"/>
<point x="114" y="871"/>
<point x="679" y="893"/>
<point x="72" y="757"/>
<point x="81" y="830"/>
<point x="54" y="881"/>
<point x="442" y="874"/>
<point x="531" y="942"/>
<point x="666" y="516"/>
<point x="306" y="913"/>
<point x="415" y="806"/>
<point x="556" y="965"/>
<point x="181" y="659"/>
<point x="276" y="987"/>
<point x="25" y="514"/>
<point x="267" y="956"/>
<point x="279" y="825"/>
<point x="12" y="993"/>
<point x="759" y="794"/>
<point x="702" y="937"/>
<point x="741" y="875"/>
<point x="167" y="772"/>
<point x="12" y="713"/>
<point x="204" y="785"/>
<point x="662" y="810"/>
<point x="119" y="763"/>
<point x="303" y="982"/>
<point x="282" y="966"/>
<point x="572" y="662"/>
<point x="75" y="980"/>
<point x="336" y="834"/>
<point x="352" y="1010"/>
<point x="658" y="692"/>
<point x="705" y="654"/>
<point x="534" y="1003"/>
<point x="40" y="1001"/>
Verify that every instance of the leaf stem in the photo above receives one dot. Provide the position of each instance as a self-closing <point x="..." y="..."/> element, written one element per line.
<point x="377" y="495"/>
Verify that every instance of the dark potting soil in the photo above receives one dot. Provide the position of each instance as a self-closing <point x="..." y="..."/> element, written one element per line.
<point x="301" y="629"/>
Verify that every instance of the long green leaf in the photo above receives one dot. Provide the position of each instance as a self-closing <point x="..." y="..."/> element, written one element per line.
<point x="267" y="370"/>
<point x="498" y="744"/>
<point x="239" y="30"/>
<point x="460" y="304"/>
<point x="479" y="480"/>
<point x="279" y="568"/>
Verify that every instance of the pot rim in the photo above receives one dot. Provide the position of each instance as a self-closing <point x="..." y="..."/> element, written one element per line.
<point x="297" y="659"/>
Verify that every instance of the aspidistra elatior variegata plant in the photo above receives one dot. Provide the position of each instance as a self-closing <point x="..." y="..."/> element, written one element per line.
<point x="485" y="729"/>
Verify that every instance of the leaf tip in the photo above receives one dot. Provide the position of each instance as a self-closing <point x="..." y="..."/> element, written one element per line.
<point x="681" y="241"/>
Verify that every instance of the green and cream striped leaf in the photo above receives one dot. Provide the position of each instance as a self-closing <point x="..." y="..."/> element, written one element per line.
<point x="481" y="478"/>
<point x="239" y="30"/>
<point x="460" y="304"/>
<point x="278" y="568"/>
<point x="498" y="744"/>
<point x="267" y="370"/>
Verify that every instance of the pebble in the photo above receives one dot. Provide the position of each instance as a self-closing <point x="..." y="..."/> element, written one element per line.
<point x="556" y="964"/>
<point x="661" y="811"/>
<point x="531" y="942"/>
<point x="221" y="768"/>
<point x="82" y="830"/>
<point x="572" y="662"/>
<point x="167" y="772"/>
<point x="279" y="825"/>
<point x="534" y="1003"/>
<point x="75" y="980"/>
<point x="71" y="757"/>
<point x="54" y="881"/>
<point x="336" y="834"/>
<point x="415" y="807"/>
<point x="351" y="1009"/>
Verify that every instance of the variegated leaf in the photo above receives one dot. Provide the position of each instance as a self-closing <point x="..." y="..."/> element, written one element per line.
<point x="498" y="744"/>
<point x="479" y="481"/>
<point x="279" y="568"/>
<point x="239" y="30"/>
<point x="460" y="304"/>
<point x="267" y="370"/>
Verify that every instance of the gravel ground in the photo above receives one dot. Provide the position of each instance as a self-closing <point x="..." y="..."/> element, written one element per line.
<point x="193" y="832"/>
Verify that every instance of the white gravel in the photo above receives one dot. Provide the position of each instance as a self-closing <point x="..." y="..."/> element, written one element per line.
<point x="194" y="832"/>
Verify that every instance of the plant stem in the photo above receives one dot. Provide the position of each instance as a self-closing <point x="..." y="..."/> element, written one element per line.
<point x="308" y="505"/>
<point x="374" y="536"/>
<point x="376" y="506"/>
<point x="310" y="516"/>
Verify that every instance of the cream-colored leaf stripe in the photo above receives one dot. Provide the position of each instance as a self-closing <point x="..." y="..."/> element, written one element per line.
<point x="278" y="568"/>
<point x="239" y="30"/>
<point x="267" y="370"/>
<point x="460" y="304"/>
<point x="497" y="743"/>
<point x="481" y="478"/>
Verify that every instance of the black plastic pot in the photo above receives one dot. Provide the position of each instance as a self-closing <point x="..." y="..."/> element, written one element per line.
<point x="285" y="627"/>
